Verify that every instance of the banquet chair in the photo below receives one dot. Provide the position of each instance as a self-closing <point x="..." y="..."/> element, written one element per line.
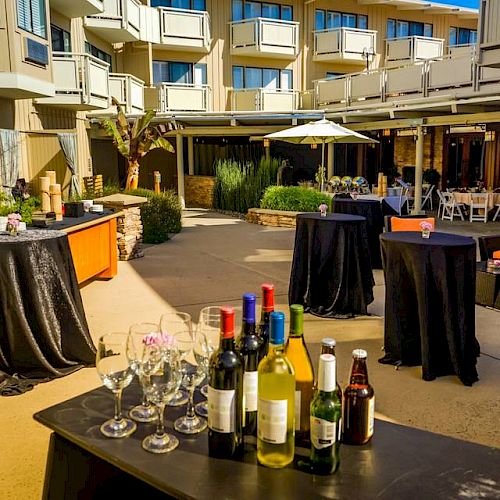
<point x="451" y="208"/>
<point x="489" y="247"/>
<point x="441" y="202"/>
<point x="418" y="218"/>
<point x="410" y="223"/>
<point x="428" y="197"/>
<point x="478" y="202"/>
<point x="497" y="213"/>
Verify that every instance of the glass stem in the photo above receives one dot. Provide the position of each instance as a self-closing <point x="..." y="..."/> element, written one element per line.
<point x="145" y="401"/>
<point x="160" y="430"/>
<point x="118" y="405"/>
<point x="190" y="406"/>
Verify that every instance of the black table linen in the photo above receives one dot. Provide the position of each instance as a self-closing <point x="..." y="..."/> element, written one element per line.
<point x="429" y="303"/>
<point x="331" y="272"/>
<point x="372" y="211"/>
<point x="43" y="329"/>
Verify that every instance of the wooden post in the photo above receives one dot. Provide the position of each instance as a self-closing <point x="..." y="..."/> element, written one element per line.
<point x="190" y="155"/>
<point x="45" y="193"/>
<point x="157" y="179"/>
<point x="180" y="169"/>
<point x="55" y="200"/>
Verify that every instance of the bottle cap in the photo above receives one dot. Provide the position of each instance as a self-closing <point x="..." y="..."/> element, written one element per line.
<point x="296" y="319"/>
<point x="227" y="322"/>
<point x="267" y="297"/>
<point x="249" y="300"/>
<point x="359" y="353"/>
<point x="327" y="341"/>
<point x="326" y="373"/>
<point x="277" y="328"/>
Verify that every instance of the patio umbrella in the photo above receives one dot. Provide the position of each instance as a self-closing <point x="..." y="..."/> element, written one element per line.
<point x="320" y="132"/>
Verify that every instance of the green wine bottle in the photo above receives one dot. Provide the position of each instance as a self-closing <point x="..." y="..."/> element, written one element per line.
<point x="326" y="411"/>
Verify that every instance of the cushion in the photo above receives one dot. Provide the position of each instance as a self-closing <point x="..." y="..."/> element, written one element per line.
<point x="496" y="254"/>
<point x="400" y="224"/>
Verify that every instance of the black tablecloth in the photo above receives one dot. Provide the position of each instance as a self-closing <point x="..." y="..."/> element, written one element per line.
<point x="331" y="272"/>
<point x="75" y="221"/>
<point x="372" y="211"/>
<point x="43" y="329"/>
<point x="429" y="303"/>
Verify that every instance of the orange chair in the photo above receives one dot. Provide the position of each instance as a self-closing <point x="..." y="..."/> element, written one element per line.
<point x="398" y="224"/>
<point x="496" y="254"/>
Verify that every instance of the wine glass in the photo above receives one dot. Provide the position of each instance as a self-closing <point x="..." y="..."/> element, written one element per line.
<point x="163" y="378"/>
<point x="209" y="326"/>
<point x="193" y="374"/>
<point x="171" y="323"/>
<point x="116" y="373"/>
<point x="138" y="334"/>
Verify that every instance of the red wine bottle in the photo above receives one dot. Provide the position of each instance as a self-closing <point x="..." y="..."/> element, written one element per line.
<point x="248" y="346"/>
<point x="267" y="309"/>
<point x="225" y="393"/>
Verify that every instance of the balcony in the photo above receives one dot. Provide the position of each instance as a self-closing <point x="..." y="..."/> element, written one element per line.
<point x="344" y="45"/>
<point x="489" y="33"/>
<point x="77" y="8"/>
<point x="265" y="38"/>
<point x="119" y="22"/>
<point x="168" y="97"/>
<point x="128" y="91"/>
<point x="262" y="99"/>
<point x="81" y="82"/>
<point x="412" y="49"/>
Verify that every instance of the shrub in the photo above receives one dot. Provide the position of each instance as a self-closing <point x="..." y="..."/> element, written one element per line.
<point x="23" y="207"/>
<point x="239" y="187"/>
<point x="296" y="199"/>
<point x="161" y="215"/>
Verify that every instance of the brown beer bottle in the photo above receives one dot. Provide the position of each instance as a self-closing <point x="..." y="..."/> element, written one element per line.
<point x="359" y="402"/>
<point x="328" y="347"/>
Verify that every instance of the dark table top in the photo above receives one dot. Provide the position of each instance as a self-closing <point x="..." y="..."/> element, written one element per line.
<point x="436" y="239"/>
<point x="400" y="462"/>
<point x="359" y="200"/>
<point x="76" y="221"/>
<point x="331" y="217"/>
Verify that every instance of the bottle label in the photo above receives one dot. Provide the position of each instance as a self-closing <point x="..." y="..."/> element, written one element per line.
<point x="298" y="401"/>
<point x="371" y="415"/>
<point x="272" y="420"/>
<point x="323" y="433"/>
<point x="250" y="382"/>
<point x="221" y="413"/>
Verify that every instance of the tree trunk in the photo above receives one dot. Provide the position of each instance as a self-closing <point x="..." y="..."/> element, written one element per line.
<point x="132" y="175"/>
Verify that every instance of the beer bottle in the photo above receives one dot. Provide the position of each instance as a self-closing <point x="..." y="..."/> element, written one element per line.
<point x="359" y="402"/>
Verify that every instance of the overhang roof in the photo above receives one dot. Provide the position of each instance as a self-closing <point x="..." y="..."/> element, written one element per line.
<point x="428" y="7"/>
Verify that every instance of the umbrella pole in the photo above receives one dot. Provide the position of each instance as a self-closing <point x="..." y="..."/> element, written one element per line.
<point x="322" y="164"/>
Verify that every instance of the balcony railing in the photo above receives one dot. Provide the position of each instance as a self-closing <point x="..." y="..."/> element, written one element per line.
<point x="262" y="99"/>
<point x="128" y="91"/>
<point x="265" y="37"/>
<point x="81" y="80"/>
<point x="489" y="34"/>
<point x="166" y="97"/>
<point x="77" y="8"/>
<point x="444" y="79"/>
<point x="347" y="45"/>
<point x="119" y="22"/>
<point x="412" y="49"/>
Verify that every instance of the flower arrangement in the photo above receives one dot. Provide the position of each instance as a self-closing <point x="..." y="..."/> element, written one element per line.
<point x="162" y="339"/>
<point x="13" y="221"/>
<point x="323" y="208"/>
<point x="426" y="229"/>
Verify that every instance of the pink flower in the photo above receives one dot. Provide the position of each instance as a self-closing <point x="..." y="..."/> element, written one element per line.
<point x="13" y="219"/>
<point x="323" y="207"/>
<point x="426" y="226"/>
<point x="159" y="339"/>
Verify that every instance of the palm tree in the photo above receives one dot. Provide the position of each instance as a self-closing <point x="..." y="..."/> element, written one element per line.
<point x="133" y="141"/>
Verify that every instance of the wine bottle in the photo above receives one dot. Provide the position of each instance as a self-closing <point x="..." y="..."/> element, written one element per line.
<point x="225" y="393"/>
<point x="248" y="346"/>
<point x="275" y="417"/>
<point x="328" y="346"/>
<point x="359" y="403"/>
<point x="326" y="411"/>
<point x="267" y="309"/>
<point x="297" y="353"/>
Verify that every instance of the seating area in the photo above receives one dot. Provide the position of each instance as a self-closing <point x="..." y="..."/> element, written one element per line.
<point x="468" y="205"/>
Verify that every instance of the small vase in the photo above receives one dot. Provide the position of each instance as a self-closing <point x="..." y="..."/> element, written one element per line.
<point x="323" y="214"/>
<point x="12" y="229"/>
<point x="426" y="233"/>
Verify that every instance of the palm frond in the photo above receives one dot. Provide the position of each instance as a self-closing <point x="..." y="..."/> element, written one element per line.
<point x="111" y="129"/>
<point x="142" y="123"/>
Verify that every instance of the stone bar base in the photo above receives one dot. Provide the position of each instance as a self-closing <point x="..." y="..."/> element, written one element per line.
<point x="198" y="191"/>
<point x="277" y="218"/>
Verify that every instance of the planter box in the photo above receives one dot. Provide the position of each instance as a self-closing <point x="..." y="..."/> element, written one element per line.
<point x="276" y="218"/>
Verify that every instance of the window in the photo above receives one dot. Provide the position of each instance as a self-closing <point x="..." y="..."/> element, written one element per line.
<point x="181" y="4"/>
<point x="61" y="39"/>
<point x="100" y="54"/>
<point x="462" y="36"/>
<point x="330" y="75"/>
<point x="179" y="72"/>
<point x="402" y="29"/>
<point x="328" y="19"/>
<point x="269" y="78"/>
<point x="31" y="16"/>
<point x="249" y="9"/>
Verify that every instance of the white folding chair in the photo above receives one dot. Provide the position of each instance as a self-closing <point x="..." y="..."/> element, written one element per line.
<point x="441" y="202"/>
<point x="428" y="197"/>
<point x="451" y="208"/>
<point x="479" y="202"/>
<point x="497" y="213"/>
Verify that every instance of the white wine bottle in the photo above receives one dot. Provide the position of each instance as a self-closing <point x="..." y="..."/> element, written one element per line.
<point x="276" y="401"/>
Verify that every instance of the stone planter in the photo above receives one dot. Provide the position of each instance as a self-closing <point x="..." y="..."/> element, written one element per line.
<point x="277" y="218"/>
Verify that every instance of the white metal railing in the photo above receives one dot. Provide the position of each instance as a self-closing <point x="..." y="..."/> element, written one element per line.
<point x="412" y="49"/>
<point x="346" y="43"/>
<point x="262" y="34"/>
<point x="128" y="90"/>
<point x="453" y="73"/>
<point x="183" y="97"/>
<point x="459" y="50"/>
<point x="80" y="75"/>
<point x="183" y="25"/>
<point x="264" y="99"/>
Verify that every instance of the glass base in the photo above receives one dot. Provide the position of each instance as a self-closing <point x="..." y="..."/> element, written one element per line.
<point x="142" y="413"/>
<point x="190" y="425"/>
<point x="202" y="409"/>
<point x="204" y="390"/>
<point x="180" y="398"/>
<point x="118" y="428"/>
<point x="160" y="444"/>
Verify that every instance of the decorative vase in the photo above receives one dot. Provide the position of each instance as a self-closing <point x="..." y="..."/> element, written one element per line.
<point x="426" y="233"/>
<point x="12" y="229"/>
<point x="323" y="214"/>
